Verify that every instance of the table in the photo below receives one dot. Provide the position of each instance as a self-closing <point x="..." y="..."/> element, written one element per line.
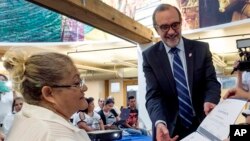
<point x="136" y="138"/>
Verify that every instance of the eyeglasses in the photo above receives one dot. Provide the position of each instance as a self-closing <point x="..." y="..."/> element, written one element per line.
<point x="79" y="84"/>
<point x="166" y="27"/>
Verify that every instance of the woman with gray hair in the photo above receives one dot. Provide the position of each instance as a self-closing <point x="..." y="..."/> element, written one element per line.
<point x="53" y="90"/>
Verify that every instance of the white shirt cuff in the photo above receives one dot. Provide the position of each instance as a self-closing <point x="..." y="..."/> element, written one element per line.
<point x="160" y="121"/>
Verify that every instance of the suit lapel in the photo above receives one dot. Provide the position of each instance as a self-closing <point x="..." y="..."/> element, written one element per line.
<point x="190" y="62"/>
<point x="165" y="69"/>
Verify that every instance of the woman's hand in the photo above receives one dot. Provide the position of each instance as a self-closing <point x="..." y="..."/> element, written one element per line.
<point x="237" y="93"/>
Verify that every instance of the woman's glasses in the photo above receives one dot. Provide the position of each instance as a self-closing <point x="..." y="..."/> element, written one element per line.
<point x="79" y="84"/>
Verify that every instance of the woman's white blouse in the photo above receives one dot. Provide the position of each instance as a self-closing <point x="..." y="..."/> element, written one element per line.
<point x="35" y="123"/>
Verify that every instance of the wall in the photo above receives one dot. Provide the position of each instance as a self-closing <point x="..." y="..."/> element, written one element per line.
<point x="96" y="89"/>
<point x="118" y="96"/>
<point x="222" y="39"/>
<point x="143" y="114"/>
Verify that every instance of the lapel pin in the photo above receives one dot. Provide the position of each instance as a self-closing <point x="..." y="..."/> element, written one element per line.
<point x="190" y="54"/>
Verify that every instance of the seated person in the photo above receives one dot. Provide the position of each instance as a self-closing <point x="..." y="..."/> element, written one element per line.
<point x="8" y="120"/>
<point x="109" y="115"/>
<point x="88" y="119"/>
<point x="100" y="105"/>
<point x="132" y="124"/>
<point x="114" y="106"/>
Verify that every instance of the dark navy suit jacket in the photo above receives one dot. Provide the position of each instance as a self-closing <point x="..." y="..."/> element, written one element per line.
<point x="161" y="96"/>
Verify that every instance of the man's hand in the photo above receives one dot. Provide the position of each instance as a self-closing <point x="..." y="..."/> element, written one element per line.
<point x="208" y="107"/>
<point x="162" y="133"/>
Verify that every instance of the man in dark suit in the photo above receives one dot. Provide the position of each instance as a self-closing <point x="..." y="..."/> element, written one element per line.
<point x="163" y="89"/>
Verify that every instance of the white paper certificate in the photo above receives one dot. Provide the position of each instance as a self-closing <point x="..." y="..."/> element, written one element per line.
<point x="222" y="116"/>
<point x="217" y="123"/>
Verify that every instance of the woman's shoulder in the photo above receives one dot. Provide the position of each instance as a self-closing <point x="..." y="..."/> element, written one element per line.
<point x="32" y="122"/>
<point x="36" y="130"/>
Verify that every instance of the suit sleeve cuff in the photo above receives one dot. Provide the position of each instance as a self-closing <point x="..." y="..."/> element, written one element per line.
<point x="160" y="121"/>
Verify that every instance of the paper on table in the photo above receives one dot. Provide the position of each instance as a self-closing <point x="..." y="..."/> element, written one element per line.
<point x="195" y="136"/>
<point x="216" y="125"/>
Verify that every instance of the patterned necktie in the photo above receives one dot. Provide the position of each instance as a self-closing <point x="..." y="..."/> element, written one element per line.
<point x="185" y="106"/>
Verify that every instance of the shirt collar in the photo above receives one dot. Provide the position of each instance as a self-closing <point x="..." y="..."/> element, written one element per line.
<point x="180" y="46"/>
<point x="42" y="113"/>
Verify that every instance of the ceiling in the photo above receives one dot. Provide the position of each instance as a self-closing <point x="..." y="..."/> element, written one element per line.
<point x="95" y="59"/>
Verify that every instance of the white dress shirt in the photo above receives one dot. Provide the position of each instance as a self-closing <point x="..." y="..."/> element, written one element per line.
<point x="182" y="56"/>
<point x="35" y="123"/>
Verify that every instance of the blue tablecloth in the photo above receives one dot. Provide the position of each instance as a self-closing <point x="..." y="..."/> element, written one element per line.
<point x="136" y="138"/>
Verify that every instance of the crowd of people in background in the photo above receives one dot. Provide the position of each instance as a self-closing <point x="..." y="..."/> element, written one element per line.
<point x="106" y="117"/>
<point x="88" y="119"/>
